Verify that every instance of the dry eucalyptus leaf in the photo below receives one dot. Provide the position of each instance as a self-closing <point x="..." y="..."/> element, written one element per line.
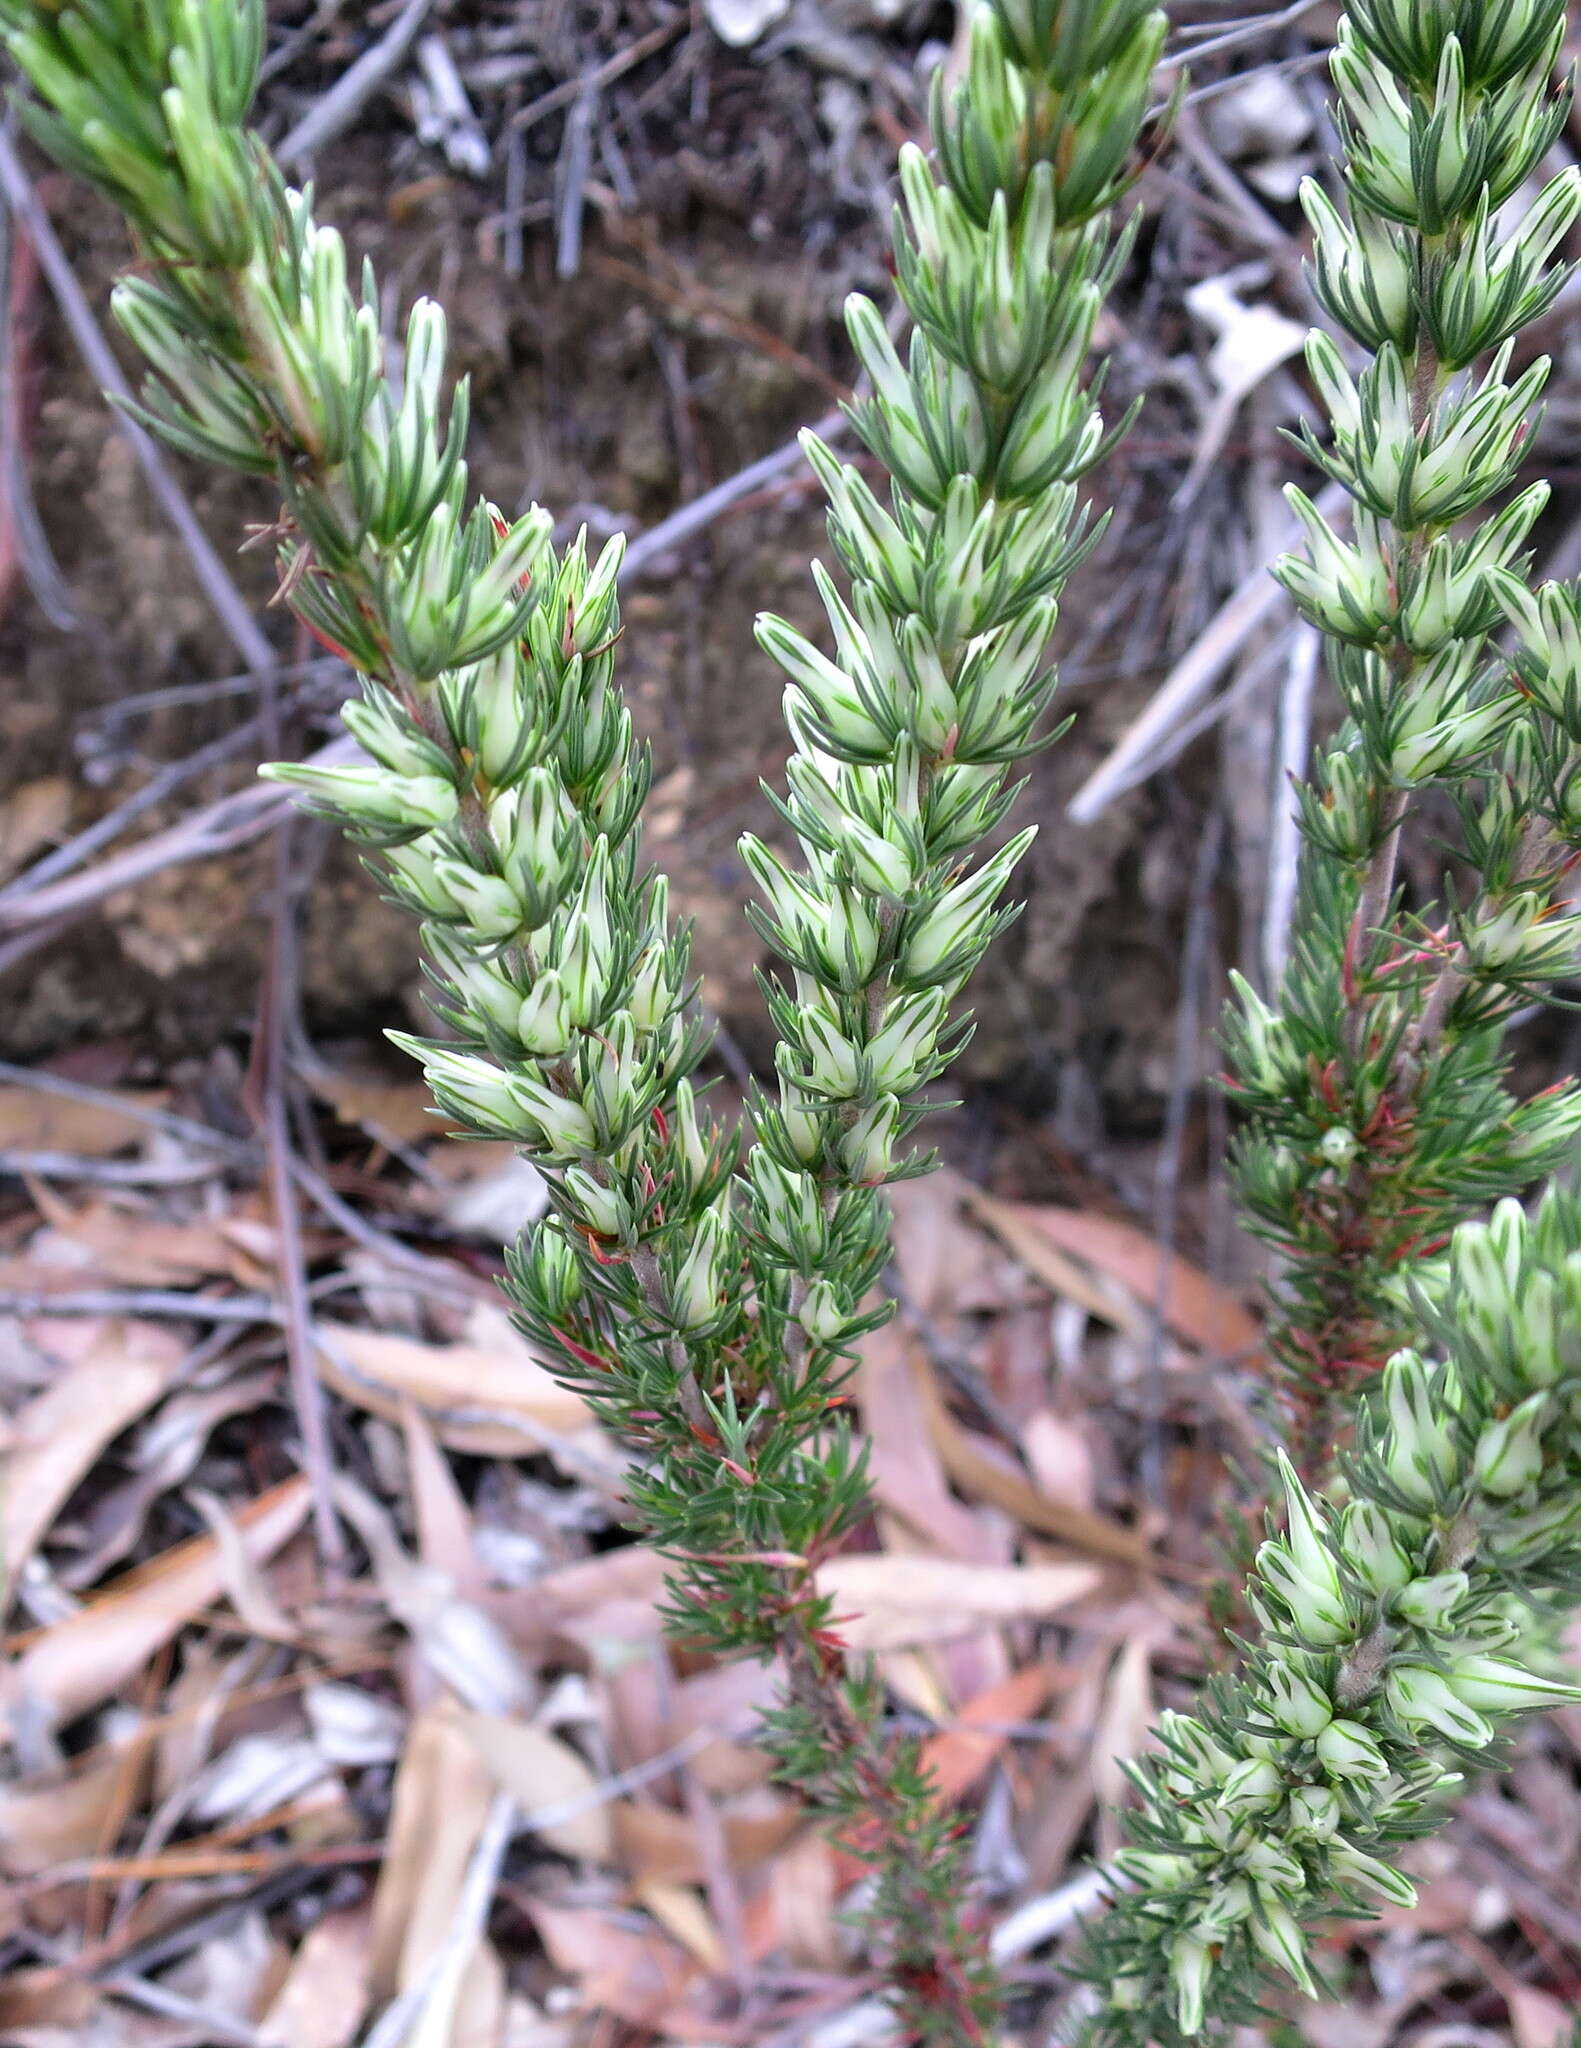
<point x="82" y="1660"/>
<point x="888" y="1603"/>
<point x="558" y="1796"/>
<point x="57" y="1436"/>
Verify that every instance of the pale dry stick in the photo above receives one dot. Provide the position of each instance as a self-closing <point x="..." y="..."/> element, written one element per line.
<point x="1284" y="838"/>
<point x="604" y="74"/>
<point x="185" y="1129"/>
<point x="442" y="1972"/>
<point x="231" y="608"/>
<point x="1145" y="745"/>
<point x="356" y="85"/>
<point x="1233" y="38"/>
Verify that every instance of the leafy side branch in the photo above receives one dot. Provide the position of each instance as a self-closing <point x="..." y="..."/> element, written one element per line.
<point x="1380" y="1110"/>
<point x="1394" y="1641"/>
<point x="1397" y="1626"/>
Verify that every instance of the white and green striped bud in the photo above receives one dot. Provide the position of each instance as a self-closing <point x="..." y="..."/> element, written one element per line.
<point x="1313" y="1814"/>
<point x="825" y="1314"/>
<point x="538" y="835"/>
<point x="486" y="905"/>
<point x="867" y="1147"/>
<point x="1343" y="589"/>
<point x="1509" y="1454"/>
<point x="370" y="797"/>
<point x="603" y="1208"/>
<point x="1301" y="1567"/>
<point x="543" y="1021"/>
<point x="1420" y="1697"/>
<point x="1431" y="1603"/>
<point x="1355" y="1866"/>
<point x="1418" y="1449"/>
<point x="695" y="1292"/>
<point x="1295" y="1702"/>
<point x="1351" y="1753"/>
<point x="944" y="941"/>
<point x="1360" y="272"/>
<point x="1497" y="1685"/>
<point x="1276" y="1934"/>
<point x="1253" y="1786"/>
<point x="1190" y="1970"/>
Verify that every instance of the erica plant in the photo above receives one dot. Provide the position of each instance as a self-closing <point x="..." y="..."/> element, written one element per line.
<point x="1397" y="1613"/>
<point x="704" y="1288"/>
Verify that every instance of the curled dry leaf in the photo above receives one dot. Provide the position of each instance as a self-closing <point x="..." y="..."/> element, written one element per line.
<point x="1115" y="1254"/>
<point x="488" y="1396"/>
<point x="890" y="1602"/>
<point x="114" y="1373"/>
<point x="63" y="1670"/>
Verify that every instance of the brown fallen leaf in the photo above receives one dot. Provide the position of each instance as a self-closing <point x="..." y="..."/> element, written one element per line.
<point x="62" y="1815"/>
<point x="908" y="1476"/>
<point x="888" y="1602"/>
<point x="958" y="1757"/>
<point x="1197" y="1309"/>
<point x="985" y="1478"/>
<point x="34" y="1122"/>
<point x="636" y="1975"/>
<point x="488" y="1396"/>
<point x="441" y="1800"/>
<point x="76" y="1663"/>
<point x="136" y="1251"/>
<point x="544" y="1775"/>
<point x="325" y="1993"/>
<point x="112" y="1372"/>
<point x="33" y="816"/>
<point x="657" y="1842"/>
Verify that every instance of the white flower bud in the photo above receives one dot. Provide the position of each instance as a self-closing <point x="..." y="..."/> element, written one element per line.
<point x="867" y="1149"/>
<point x="1351" y="1753"/>
<point x="1254" y="1785"/>
<point x="486" y="904"/>
<point x="954" y="928"/>
<point x="695" y="1291"/>
<point x="1313" y="1814"/>
<point x="1275" y="1933"/>
<point x="1424" y="1698"/>
<point x="371" y="796"/>
<point x="1190" y="1967"/>
<point x="1431" y="1602"/>
<point x="1295" y="1702"/>
<point x="543" y="1017"/>
<point x="823" y="1315"/>
<point x="1509" y="1453"/>
<point x="1504" y="1687"/>
<point x="1347" y="1861"/>
<point x="1418" y="1450"/>
<point x="1371" y="1548"/>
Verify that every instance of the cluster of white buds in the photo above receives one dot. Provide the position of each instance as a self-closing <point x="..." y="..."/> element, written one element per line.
<point x="1447" y="110"/>
<point x="904" y="739"/>
<point x="1395" y="1641"/>
<point x="1394" y="1637"/>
